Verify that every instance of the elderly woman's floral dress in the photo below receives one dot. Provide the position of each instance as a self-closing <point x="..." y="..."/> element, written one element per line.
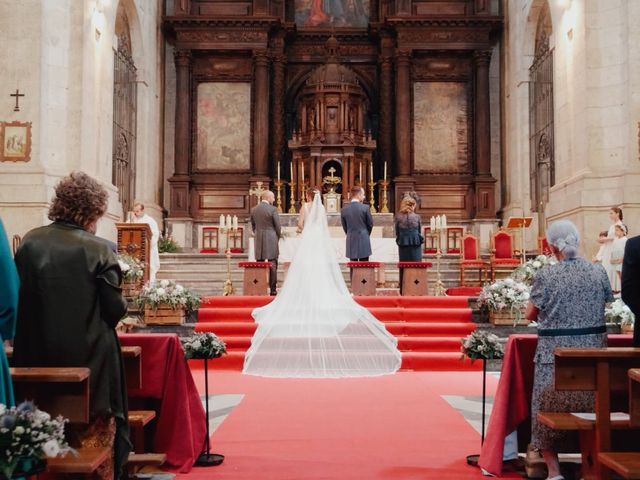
<point x="570" y="296"/>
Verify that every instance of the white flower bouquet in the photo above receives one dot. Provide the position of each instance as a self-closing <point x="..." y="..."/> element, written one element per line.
<point x="169" y="293"/>
<point x="506" y="294"/>
<point x="27" y="436"/>
<point x="619" y="313"/>
<point x="526" y="272"/>
<point x="481" y="344"/>
<point x="203" y="345"/>
<point x="132" y="268"/>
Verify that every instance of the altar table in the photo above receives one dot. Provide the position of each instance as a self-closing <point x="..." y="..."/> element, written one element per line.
<point x="167" y="381"/>
<point x="512" y="402"/>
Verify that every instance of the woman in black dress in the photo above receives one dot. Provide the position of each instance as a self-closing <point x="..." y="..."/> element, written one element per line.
<point x="408" y="238"/>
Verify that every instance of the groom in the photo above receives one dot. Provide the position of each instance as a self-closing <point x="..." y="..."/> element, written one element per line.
<point x="265" y="223"/>
<point x="357" y="223"/>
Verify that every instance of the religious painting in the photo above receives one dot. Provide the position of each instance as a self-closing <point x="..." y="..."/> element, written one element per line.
<point x="224" y="126"/>
<point x="332" y="13"/>
<point x="15" y="138"/>
<point x="440" y="127"/>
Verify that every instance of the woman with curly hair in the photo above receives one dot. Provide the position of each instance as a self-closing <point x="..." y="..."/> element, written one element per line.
<point x="408" y="238"/>
<point x="69" y="304"/>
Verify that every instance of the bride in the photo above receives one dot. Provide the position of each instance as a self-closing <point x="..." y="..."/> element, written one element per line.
<point x="314" y="328"/>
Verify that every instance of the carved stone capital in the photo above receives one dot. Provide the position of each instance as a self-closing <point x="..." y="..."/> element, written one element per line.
<point x="403" y="58"/>
<point x="261" y="58"/>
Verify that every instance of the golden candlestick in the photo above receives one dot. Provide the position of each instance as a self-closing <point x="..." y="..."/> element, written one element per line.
<point x="279" y="183"/>
<point x="227" y="288"/>
<point x="384" y="207"/>
<point x="439" y="289"/>
<point x="372" y="207"/>
<point x="292" y="197"/>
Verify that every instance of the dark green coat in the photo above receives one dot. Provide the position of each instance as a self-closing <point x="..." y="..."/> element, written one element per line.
<point x="70" y="302"/>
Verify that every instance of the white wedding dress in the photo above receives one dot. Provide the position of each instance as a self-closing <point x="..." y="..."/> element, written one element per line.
<point x="313" y="327"/>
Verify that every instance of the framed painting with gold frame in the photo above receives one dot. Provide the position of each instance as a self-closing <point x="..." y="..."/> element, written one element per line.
<point x="15" y="141"/>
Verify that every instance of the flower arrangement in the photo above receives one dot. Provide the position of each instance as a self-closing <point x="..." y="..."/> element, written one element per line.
<point x="619" y="313"/>
<point x="526" y="272"/>
<point x="28" y="434"/>
<point x="504" y="294"/>
<point x="167" y="292"/>
<point x="132" y="268"/>
<point x="481" y="344"/>
<point x="203" y="345"/>
<point x="166" y="244"/>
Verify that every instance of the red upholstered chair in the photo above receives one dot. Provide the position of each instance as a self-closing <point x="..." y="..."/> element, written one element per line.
<point x="543" y="246"/>
<point x="470" y="259"/>
<point x="502" y="258"/>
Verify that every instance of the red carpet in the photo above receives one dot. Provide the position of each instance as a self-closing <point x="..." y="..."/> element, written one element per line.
<point x="394" y="427"/>
<point x="428" y="328"/>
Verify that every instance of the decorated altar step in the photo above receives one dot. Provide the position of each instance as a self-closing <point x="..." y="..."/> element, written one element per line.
<point x="384" y="314"/>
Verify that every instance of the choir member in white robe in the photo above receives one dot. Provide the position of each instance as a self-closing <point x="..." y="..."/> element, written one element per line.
<point x="140" y="217"/>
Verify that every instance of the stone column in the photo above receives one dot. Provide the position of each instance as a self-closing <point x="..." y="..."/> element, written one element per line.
<point x="277" y="108"/>
<point x="261" y="114"/>
<point x="403" y="181"/>
<point x="485" y="183"/>
<point x="179" y="203"/>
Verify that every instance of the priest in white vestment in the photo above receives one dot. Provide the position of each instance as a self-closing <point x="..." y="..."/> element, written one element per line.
<point x="140" y="217"/>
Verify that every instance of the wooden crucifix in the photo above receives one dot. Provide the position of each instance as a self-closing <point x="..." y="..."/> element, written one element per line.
<point x="17" y="95"/>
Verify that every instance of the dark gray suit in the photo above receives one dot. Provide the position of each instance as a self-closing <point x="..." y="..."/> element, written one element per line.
<point x="265" y="224"/>
<point x="357" y="223"/>
<point x="631" y="282"/>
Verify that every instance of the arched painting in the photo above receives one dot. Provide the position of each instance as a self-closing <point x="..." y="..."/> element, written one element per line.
<point x="332" y="13"/>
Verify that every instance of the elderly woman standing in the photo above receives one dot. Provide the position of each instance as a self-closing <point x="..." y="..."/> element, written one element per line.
<point x="69" y="304"/>
<point x="408" y="238"/>
<point x="567" y="300"/>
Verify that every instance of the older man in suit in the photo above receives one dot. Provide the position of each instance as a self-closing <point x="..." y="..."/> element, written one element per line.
<point x="265" y="224"/>
<point x="631" y="282"/>
<point x="357" y="223"/>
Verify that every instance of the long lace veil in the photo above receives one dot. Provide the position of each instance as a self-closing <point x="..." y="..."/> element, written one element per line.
<point x="314" y="328"/>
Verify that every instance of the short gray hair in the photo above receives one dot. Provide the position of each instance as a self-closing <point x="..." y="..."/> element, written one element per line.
<point x="564" y="235"/>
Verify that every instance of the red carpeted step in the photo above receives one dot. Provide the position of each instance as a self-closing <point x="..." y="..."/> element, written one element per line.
<point x="446" y="329"/>
<point x="413" y="302"/>
<point x="232" y="314"/>
<point x="429" y="344"/>
<point x="237" y="342"/>
<point x="464" y="291"/>
<point x="437" y="361"/>
<point x="227" y="328"/>
<point x="236" y="301"/>
<point x="230" y="361"/>
<point x="421" y="314"/>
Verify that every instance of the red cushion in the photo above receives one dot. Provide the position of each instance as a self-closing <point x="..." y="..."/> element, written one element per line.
<point x="470" y="248"/>
<point x="503" y="247"/>
<point x="472" y="263"/>
<point x="506" y="261"/>
<point x="363" y="264"/>
<point x="415" y="264"/>
<point x="255" y="264"/>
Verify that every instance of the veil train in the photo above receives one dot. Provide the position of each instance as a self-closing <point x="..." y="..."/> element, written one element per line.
<point x="313" y="327"/>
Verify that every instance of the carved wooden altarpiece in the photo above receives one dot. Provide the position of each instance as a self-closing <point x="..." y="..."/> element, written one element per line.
<point x="411" y="88"/>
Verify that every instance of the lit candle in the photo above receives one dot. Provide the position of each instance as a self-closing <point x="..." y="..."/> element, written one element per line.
<point x="444" y="221"/>
<point x="302" y="176"/>
<point x="221" y="221"/>
<point x="385" y="170"/>
<point x="360" y="176"/>
<point x="438" y="222"/>
<point x="371" y="172"/>
<point x="235" y="222"/>
<point x="432" y="223"/>
<point x="278" y="170"/>
<point x="229" y="224"/>
<point x="291" y="165"/>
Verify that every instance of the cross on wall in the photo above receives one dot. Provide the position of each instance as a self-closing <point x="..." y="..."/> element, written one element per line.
<point x="17" y="95"/>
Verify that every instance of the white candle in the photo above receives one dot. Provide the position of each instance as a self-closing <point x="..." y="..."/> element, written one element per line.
<point x="291" y="165"/>
<point x="444" y="221"/>
<point x="229" y="224"/>
<point x="371" y="172"/>
<point x="432" y="223"/>
<point x="360" y="176"/>
<point x="385" y="170"/>
<point x="235" y="222"/>
<point x="221" y="221"/>
<point x="302" y="176"/>
<point x="278" y="170"/>
<point x="438" y="222"/>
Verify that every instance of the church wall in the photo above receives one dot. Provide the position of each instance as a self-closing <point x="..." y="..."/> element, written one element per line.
<point x="596" y="113"/>
<point x="65" y="67"/>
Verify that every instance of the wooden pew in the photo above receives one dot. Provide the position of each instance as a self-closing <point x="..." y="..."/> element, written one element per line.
<point x="627" y="464"/>
<point x="132" y="359"/>
<point x="57" y="391"/>
<point x="602" y="370"/>
<point x="87" y="461"/>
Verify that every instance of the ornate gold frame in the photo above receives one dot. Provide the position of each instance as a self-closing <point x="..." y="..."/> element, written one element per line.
<point x="25" y="153"/>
